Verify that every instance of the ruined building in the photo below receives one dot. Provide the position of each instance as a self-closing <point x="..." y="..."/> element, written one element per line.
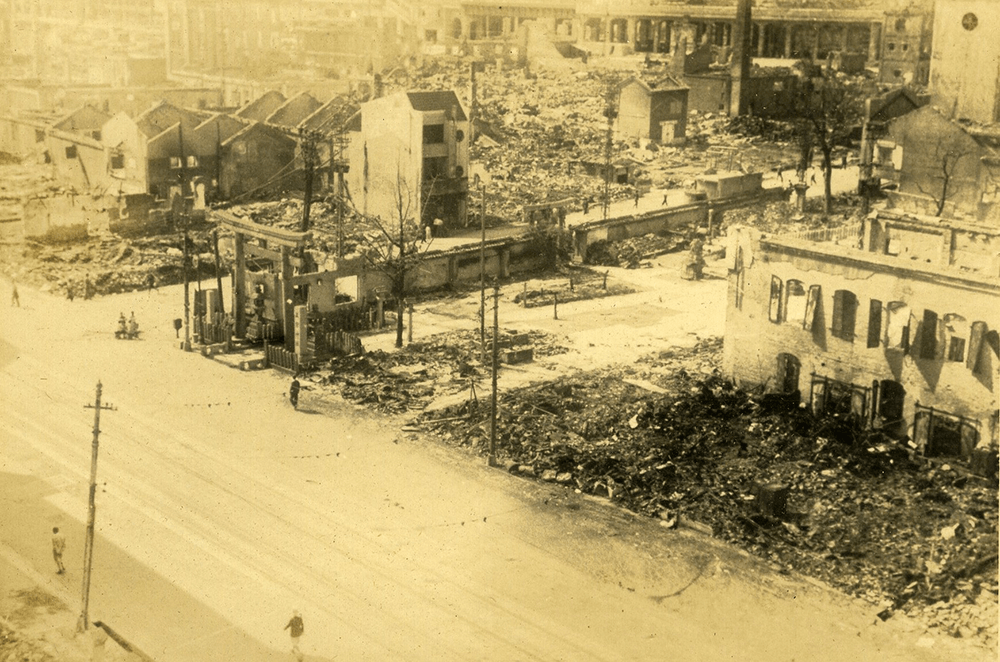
<point x="945" y="157"/>
<point x="893" y="322"/>
<point x="409" y="156"/>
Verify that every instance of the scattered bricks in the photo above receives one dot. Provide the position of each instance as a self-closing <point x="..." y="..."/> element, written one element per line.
<point x="549" y="475"/>
<point x="771" y="500"/>
<point x="526" y="355"/>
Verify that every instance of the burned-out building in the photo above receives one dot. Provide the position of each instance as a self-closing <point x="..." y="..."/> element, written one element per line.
<point x="906" y="47"/>
<point x="148" y="154"/>
<point x="409" y="155"/>
<point x="941" y="166"/>
<point x="653" y="110"/>
<point x="892" y="322"/>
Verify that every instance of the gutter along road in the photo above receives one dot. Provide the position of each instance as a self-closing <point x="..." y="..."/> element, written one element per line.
<point x="220" y="509"/>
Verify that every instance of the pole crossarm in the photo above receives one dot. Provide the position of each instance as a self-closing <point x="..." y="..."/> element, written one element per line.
<point x="88" y="549"/>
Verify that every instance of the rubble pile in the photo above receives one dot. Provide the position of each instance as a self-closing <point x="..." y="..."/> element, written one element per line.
<point x="410" y="378"/>
<point x="782" y="217"/>
<point x="109" y="263"/>
<point x="632" y="253"/>
<point x="541" y="132"/>
<point x="670" y="438"/>
<point x="753" y="126"/>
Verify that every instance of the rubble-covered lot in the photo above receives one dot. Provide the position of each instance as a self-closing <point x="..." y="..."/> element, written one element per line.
<point x="669" y="438"/>
<point x="634" y="252"/>
<point x="111" y="264"/>
<point x="411" y="378"/>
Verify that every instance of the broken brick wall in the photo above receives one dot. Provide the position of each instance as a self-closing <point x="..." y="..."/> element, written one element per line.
<point x="848" y="316"/>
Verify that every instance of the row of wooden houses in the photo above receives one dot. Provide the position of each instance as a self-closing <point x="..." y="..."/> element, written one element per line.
<point x="169" y="150"/>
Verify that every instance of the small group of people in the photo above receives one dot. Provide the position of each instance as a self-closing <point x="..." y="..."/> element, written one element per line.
<point x="127" y="329"/>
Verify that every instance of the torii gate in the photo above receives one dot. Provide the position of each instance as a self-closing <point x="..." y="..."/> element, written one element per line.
<point x="289" y="244"/>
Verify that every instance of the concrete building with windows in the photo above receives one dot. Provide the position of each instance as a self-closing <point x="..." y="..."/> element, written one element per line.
<point x="894" y="322"/>
<point x="409" y="155"/>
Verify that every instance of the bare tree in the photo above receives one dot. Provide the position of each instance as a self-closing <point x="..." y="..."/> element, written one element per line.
<point x="395" y="246"/>
<point x="944" y="174"/>
<point x="828" y="111"/>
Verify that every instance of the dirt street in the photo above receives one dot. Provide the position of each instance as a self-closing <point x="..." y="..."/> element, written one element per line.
<point x="220" y="509"/>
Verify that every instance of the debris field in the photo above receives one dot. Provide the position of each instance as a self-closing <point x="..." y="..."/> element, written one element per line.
<point x="671" y="439"/>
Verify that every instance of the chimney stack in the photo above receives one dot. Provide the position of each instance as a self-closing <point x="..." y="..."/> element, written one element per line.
<point x="740" y="62"/>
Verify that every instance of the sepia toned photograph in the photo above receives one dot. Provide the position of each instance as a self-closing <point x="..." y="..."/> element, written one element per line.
<point x="467" y="331"/>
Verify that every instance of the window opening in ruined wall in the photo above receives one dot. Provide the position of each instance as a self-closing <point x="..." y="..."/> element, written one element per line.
<point x="929" y="335"/>
<point x="874" y="323"/>
<point x="834" y="397"/>
<point x="956" y="332"/>
<point x="433" y="134"/>
<point x="788" y="372"/>
<point x="795" y="302"/>
<point x="845" y="306"/>
<point x="774" y="311"/>
<point x="890" y="400"/>
<point x="897" y="325"/>
<point x="812" y="303"/>
<point x="943" y="434"/>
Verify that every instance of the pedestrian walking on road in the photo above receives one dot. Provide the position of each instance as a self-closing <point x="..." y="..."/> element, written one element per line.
<point x="58" y="547"/>
<point x="151" y="282"/>
<point x="15" y="298"/>
<point x="293" y="392"/>
<point x="637" y="196"/>
<point x="586" y="206"/>
<point x="296" y="627"/>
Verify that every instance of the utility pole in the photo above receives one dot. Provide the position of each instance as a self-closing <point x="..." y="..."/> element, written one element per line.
<point x="492" y="459"/>
<point x="187" y="293"/>
<point x="88" y="549"/>
<point x="611" y="113"/>
<point x="307" y="144"/>
<point x="218" y="270"/>
<point x="482" y="271"/>
<point x="340" y="169"/>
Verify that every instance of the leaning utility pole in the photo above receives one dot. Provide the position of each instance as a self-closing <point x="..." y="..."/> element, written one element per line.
<point x="492" y="459"/>
<point x="88" y="549"/>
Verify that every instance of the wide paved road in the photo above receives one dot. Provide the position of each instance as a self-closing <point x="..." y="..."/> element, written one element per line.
<point x="221" y="510"/>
